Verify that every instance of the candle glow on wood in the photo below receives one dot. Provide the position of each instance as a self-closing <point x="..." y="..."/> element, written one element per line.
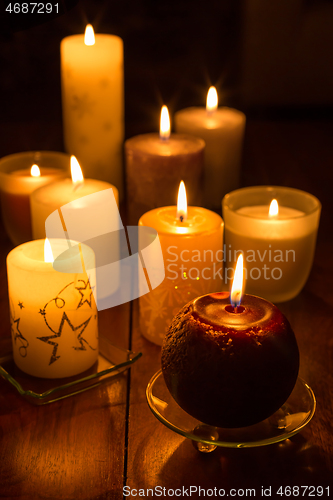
<point x="212" y="100"/>
<point x="164" y="123"/>
<point x="182" y="202"/>
<point x="89" y="35"/>
<point x="237" y="285"/>
<point x="35" y="171"/>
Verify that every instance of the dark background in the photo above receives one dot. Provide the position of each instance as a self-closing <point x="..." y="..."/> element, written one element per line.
<point x="269" y="59"/>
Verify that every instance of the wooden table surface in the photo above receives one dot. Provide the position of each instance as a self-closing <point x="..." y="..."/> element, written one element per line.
<point x="91" y="445"/>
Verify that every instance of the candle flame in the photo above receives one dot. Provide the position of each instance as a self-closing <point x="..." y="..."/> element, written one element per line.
<point x="164" y="123"/>
<point x="237" y="285"/>
<point x="35" y="171"/>
<point x="89" y="35"/>
<point x="212" y="100"/>
<point x="182" y="203"/>
<point x="273" y="209"/>
<point x="76" y="172"/>
<point x="48" y="255"/>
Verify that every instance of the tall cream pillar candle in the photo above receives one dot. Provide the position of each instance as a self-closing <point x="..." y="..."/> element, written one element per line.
<point x="222" y="129"/>
<point x="53" y="315"/>
<point x="93" y="104"/>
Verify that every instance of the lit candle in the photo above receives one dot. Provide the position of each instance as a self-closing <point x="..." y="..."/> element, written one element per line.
<point x="46" y="200"/>
<point x="155" y="165"/>
<point x="222" y="129"/>
<point x="191" y="239"/>
<point x="277" y="238"/>
<point x="67" y="211"/>
<point x="230" y="361"/>
<point x="20" y="176"/>
<point x="93" y="103"/>
<point x="53" y="315"/>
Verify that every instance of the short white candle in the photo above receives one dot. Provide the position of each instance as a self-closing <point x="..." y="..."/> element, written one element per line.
<point x="222" y="129"/>
<point x="17" y="183"/>
<point x="191" y="240"/>
<point x="82" y="219"/>
<point x="93" y="104"/>
<point x="53" y="315"/>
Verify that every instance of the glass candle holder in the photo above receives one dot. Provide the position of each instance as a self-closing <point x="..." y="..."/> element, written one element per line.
<point x="278" y="249"/>
<point x="16" y="184"/>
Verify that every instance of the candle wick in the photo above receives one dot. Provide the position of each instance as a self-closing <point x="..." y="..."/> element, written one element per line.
<point x="181" y="218"/>
<point x="235" y="309"/>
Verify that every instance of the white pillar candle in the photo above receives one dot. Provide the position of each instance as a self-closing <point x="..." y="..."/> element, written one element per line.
<point x="49" y="198"/>
<point x="93" y="104"/>
<point x="17" y="183"/>
<point x="278" y="247"/>
<point x="191" y="239"/>
<point x="53" y="315"/>
<point x="222" y="129"/>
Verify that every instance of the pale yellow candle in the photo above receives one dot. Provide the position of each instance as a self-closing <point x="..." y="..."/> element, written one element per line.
<point x="191" y="239"/>
<point x="93" y="104"/>
<point x="222" y="129"/>
<point x="53" y="315"/>
<point x="276" y="229"/>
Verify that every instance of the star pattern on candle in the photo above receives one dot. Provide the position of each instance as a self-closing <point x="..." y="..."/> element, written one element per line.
<point x="86" y="293"/>
<point x="52" y="339"/>
<point x="82" y="105"/>
<point x="17" y="336"/>
<point x="20" y="304"/>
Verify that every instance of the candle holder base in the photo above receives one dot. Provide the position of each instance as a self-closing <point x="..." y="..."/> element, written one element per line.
<point x="290" y="419"/>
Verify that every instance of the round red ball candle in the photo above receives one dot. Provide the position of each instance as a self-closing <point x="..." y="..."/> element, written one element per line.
<point x="227" y="366"/>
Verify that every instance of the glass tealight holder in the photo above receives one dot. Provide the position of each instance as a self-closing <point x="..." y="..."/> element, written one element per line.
<point x="278" y="249"/>
<point x="17" y="183"/>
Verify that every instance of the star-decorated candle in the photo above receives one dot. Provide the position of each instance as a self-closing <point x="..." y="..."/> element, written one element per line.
<point x="276" y="229"/>
<point x="222" y="129"/>
<point x="53" y="315"/>
<point x="93" y="103"/>
<point x="191" y="239"/>
<point x="20" y="175"/>
<point x="155" y="165"/>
